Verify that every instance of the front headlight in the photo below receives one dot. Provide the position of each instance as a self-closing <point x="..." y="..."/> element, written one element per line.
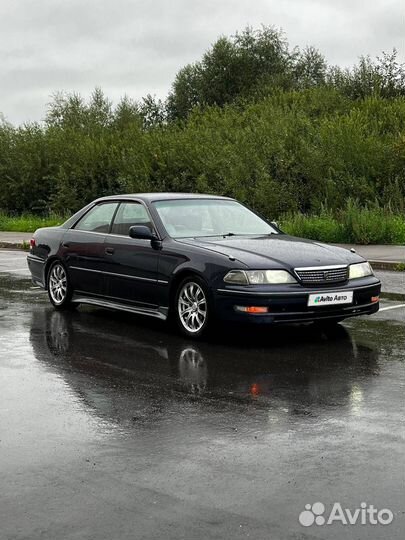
<point x="360" y="270"/>
<point x="259" y="277"/>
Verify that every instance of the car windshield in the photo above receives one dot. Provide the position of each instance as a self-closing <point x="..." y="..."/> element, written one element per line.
<point x="185" y="218"/>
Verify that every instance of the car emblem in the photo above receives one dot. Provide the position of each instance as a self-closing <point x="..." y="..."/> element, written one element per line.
<point x="326" y="276"/>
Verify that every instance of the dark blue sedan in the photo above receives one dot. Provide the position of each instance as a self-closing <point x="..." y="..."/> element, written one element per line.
<point x="197" y="259"/>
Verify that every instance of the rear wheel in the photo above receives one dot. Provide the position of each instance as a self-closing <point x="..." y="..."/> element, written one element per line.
<point x="60" y="291"/>
<point x="192" y="307"/>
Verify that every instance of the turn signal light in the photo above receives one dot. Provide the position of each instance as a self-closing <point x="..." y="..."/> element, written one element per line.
<point x="252" y="309"/>
<point x="32" y="243"/>
<point x="375" y="299"/>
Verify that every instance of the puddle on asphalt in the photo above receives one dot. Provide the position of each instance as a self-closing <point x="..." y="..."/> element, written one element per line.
<point x="102" y="356"/>
<point x="99" y="402"/>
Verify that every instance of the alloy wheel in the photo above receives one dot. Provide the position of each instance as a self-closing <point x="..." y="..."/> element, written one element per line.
<point x="58" y="284"/>
<point x="192" y="307"/>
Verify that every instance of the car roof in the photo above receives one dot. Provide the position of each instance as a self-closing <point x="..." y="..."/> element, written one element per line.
<point x="151" y="197"/>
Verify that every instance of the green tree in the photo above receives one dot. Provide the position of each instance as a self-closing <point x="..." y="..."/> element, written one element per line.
<point x="233" y="67"/>
<point x="310" y="68"/>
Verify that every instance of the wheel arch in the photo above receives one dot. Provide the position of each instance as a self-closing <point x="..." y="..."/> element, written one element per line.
<point x="178" y="278"/>
<point x="48" y="265"/>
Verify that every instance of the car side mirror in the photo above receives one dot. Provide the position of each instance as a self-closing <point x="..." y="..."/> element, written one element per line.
<point x="141" y="232"/>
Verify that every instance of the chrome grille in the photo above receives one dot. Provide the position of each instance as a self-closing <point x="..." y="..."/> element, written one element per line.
<point x="319" y="275"/>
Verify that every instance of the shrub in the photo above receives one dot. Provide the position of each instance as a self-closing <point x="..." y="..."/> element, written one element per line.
<point x="354" y="224"/>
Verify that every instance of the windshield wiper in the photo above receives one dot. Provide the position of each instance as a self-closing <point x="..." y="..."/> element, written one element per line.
<point x="219" y="234"/>
<point x="224" y="235"/>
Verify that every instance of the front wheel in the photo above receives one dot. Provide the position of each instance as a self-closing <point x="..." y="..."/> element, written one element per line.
<point x="60" y="291"/>
<point x="192" y="307"/>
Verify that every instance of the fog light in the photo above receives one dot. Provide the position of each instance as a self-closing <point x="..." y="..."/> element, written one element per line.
<point x="375" y="299"/>
<point x="252" y="309"/>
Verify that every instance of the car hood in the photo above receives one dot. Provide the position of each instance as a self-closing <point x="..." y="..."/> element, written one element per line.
<point x="277" y="251"/>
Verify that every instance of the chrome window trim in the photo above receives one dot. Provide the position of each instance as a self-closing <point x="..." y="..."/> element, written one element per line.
<point x="111" y="234"/>
<point x="87" y="232"/>
<point x="118" y="202"/>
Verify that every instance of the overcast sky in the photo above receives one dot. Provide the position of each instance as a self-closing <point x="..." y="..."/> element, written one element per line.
<point x="135" y="47"/>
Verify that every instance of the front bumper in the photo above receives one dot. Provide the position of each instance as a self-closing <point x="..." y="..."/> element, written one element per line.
<point x="290" y="304"/>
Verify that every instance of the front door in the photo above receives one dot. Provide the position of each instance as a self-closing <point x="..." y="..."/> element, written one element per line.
<point x="131" y="265"/>
<point x="83" y="247"/>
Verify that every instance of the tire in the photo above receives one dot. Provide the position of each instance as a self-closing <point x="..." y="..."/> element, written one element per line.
<point x="192" y="307"/>
<point x="60" y="291"/>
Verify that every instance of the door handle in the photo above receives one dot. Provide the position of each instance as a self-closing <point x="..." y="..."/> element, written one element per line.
<point x="109" y="251"/>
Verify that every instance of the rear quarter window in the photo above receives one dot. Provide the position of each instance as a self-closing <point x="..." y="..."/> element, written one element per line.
<point x="98" y="219"/>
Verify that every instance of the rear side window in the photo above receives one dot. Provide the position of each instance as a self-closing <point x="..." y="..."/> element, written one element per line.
<point x="98" y="219"/>
<point x="129" y="214"/>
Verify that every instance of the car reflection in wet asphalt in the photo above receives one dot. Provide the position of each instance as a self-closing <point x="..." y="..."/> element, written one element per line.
<point x="114" y="427"/>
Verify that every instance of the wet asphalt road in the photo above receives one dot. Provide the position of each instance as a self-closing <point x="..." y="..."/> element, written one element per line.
<point x="112" y="427"/>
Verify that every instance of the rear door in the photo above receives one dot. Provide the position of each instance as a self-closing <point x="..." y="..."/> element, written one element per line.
<point x="84" y="248"/>
<point x="131" y="264"/>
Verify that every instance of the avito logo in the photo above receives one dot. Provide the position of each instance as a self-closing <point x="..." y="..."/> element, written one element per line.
<point x="365" y="515"/>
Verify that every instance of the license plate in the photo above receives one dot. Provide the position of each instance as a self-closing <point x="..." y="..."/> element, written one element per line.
<point x="330" y="298"/>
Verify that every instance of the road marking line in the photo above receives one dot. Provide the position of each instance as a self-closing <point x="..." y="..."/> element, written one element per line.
<point x="392" y="307"/>
<point x="12" y="259"/>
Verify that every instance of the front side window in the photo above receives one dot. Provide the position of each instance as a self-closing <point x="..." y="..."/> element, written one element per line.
<point x="98" y="219"/>
<point x="129" y="214"/>
<point x="210" y="217"/>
